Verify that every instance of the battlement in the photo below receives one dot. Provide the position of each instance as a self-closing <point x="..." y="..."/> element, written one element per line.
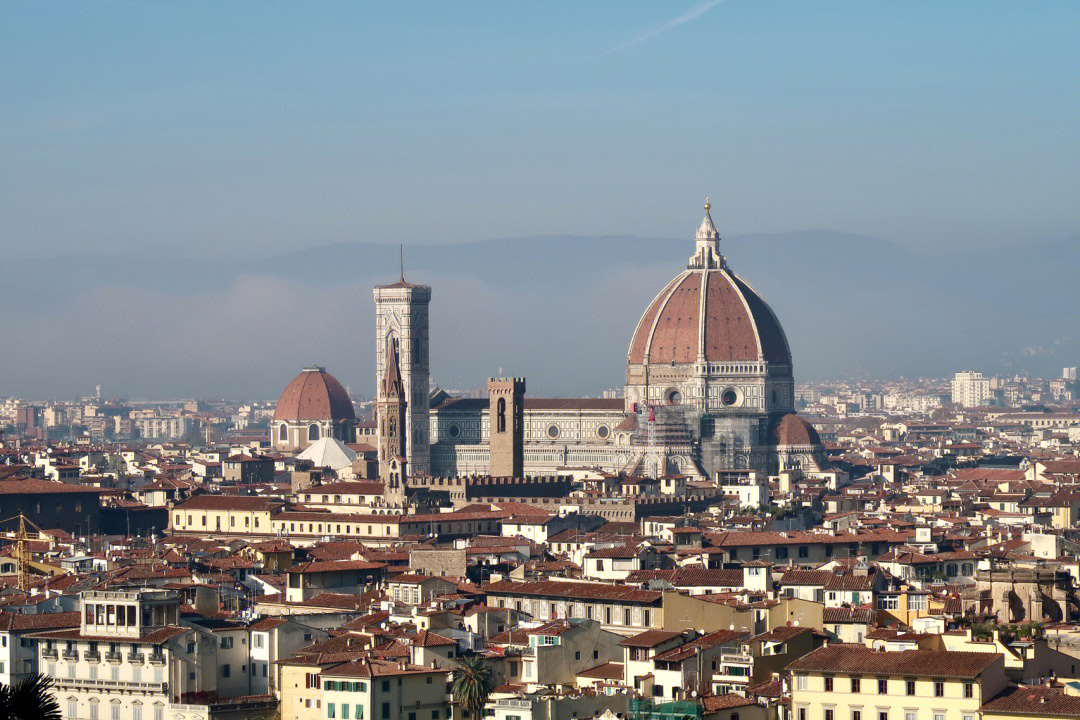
<point x="515" y="385"/>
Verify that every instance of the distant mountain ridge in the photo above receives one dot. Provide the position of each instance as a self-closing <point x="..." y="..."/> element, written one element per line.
<point x="557" y="309"/>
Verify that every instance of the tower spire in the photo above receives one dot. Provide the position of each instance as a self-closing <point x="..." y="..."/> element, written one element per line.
<point x="707" y="251"/>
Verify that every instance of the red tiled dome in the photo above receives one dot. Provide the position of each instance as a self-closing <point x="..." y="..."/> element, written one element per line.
<point x="738" y="326"/>
<point x="794" y="430"/>
<point x="314" y="394"/>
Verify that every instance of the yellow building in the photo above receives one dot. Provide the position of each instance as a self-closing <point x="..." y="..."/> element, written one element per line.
<point x="850" y="682"/>
<point x="367" y="689"/>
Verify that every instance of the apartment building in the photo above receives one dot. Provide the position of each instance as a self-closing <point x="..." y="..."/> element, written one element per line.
<point x="127" y="660"/>
<point x="850" y="682"/>
<point x="371" y="689"/>
<point x="970" y="389"/>
<point x="18" y="651"/>
<point x="618" y="608"/>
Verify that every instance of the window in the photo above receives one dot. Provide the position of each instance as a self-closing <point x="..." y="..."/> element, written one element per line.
<point x="226" y="643"/>
<point x="72" y="709"/>
<point x="828" y="714"/>
<point x="93" y="710"/>
<point x="226" y="671"/>
<point x="159" y="712"/>
<point x="856" y="684"/>
<point x="800" y="682"/>
<point x="804" y="551"/>
<point x="136" y="712"/>
<point x="781" y="553"/>
<point x="386" y="710"/>
<point x="828" y="686"/>
<point x="802" y="713"/>
<point x="909" y="715"/>
<point x="330" y="712"/>
<point x="114" y="711"/>
<point x="909" y="687"/>
<point x="883" y="715"/>
<point x="856" y="715"/>
<point x="344" y="711"/>
<point x="939" y="716"/>
<point x="939" y="688"/>
<point x="969" y="690"/>
<point x="312" y="435"/>
<point x="882" y="686"/>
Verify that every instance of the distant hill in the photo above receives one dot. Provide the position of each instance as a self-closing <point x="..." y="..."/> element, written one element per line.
<point x="559" y="310"/>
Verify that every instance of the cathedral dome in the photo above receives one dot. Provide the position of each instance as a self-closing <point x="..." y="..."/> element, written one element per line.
<point x="793" y="430"/>
<point x="708" y="313"/>
<point x="314" y="395"/>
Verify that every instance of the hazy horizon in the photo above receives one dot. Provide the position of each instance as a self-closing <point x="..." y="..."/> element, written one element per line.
<point x="165" y="164"/>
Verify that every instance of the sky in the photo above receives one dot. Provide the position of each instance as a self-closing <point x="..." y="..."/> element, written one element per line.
<point x="250" y="128"/>
<point x="154" y="152"/>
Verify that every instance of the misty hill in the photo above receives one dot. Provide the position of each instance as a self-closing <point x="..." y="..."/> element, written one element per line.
<point x="559" y="310"/>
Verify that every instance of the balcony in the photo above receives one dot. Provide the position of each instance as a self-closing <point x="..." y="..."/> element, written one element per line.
<point x="50" y="653"/>
<point x="157" y="658"/>
<point x="135" y="658"/>
<point x="71" y="654"/>
<point x="64" y="683"/>
<point x="113" y="657"/>
<point x="94" y="656"/>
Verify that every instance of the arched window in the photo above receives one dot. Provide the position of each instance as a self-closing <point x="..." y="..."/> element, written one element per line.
<point x="500" y="415"/>
<point x="283" y="432"/>
<point x="313" y="432"/>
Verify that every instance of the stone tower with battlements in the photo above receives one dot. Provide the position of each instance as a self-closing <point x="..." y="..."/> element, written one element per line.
<point x="401" y="322"/>
<point x="506" y="427"/>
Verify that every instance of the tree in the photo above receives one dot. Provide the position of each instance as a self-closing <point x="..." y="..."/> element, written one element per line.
<point x="31" y="699"/>
<point x="473" y="682"/>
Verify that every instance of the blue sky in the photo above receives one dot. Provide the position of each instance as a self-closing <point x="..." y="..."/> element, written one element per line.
<point x="252" y="128"/>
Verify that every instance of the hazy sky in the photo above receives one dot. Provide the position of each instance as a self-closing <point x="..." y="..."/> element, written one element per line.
<point x="231" y="128"/>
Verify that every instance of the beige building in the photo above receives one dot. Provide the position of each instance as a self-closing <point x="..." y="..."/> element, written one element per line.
<point x="129" y="659"/>
<point x="368" y="689"/>
<point x="849" y="682"/>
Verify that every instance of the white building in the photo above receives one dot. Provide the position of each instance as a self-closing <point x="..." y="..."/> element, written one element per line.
<point x="970" y="389"/>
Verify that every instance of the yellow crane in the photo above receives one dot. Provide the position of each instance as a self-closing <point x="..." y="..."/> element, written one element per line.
<point x="23" y="555"/>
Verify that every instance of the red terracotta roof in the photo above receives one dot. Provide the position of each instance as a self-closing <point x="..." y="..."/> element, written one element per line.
<point x="314" y="394"/>
<point x="1036" y="701"/>
<point x="863" y="660"/>
<point x="794" y="430"/>
<point x="738" y="325"/>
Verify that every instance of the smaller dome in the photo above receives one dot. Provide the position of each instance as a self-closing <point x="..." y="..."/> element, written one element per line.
<point x="314" y="394"/>
<point x="793" y="430"/>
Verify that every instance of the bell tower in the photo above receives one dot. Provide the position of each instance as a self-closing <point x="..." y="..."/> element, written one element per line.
<point x="506" y="427"/>
<point x="401" y="322"/>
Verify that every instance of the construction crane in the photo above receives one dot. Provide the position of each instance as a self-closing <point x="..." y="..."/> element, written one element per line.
<point x="23" y="555"/>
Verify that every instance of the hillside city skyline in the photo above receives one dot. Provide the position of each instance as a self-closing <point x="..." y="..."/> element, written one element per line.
<point x="700" y="360"/>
